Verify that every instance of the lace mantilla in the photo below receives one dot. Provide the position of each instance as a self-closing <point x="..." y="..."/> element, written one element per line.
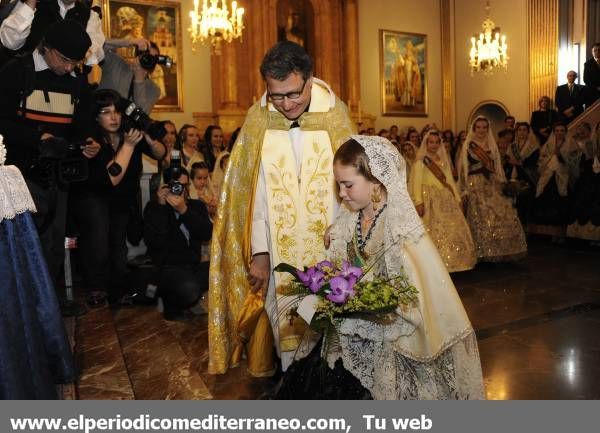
<point x="403" y="222"/>
<point x="15" y="198"/>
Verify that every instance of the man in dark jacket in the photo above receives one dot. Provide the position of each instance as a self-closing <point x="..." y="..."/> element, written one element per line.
<point x="591" y="74"/>
<point x="174" y="229"/>
<point x="570" y="98"/>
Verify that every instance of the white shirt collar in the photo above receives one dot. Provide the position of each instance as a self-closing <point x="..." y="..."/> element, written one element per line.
<point x="38" y="62"/>
<point x="64" y="9"/>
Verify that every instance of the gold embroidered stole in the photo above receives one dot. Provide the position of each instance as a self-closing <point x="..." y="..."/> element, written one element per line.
<point x="436" y="170"/>
<point x="300" y="209"/>
<point x="478" y="152"/>
<point x="230" y="247"/>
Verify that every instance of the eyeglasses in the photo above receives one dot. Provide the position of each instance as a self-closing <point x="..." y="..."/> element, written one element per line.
<point x="64" y="59"/>
<point x="278" y="97"/>
<point x="108" y="111"/>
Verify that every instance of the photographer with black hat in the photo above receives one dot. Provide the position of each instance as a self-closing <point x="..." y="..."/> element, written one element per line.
<point x="174" y="229"/>
<point x="23" y="29"/>
<point x="41" y="100"/>
<point x="101" y="203"/>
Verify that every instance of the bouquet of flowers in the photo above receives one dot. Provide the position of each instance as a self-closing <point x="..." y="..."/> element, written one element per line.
<point x="341" y="291"/>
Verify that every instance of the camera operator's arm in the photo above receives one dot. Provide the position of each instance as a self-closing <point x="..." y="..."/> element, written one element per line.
<point x="157" y="227"/>
<point x="156" y="149"/>
<point x="196" y="220"/>
<point x="16" y="27"/>
<point x="123" y="156"/>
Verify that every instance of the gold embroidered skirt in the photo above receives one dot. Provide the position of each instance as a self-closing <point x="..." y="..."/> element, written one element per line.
<point x="495" y="226"/>
<point x="448" y="229"/>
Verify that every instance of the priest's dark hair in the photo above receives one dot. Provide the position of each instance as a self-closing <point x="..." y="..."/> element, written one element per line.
<point x="284" y="58"/>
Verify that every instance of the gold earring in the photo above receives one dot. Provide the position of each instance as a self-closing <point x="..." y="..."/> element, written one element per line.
<point x="376" y="198"/>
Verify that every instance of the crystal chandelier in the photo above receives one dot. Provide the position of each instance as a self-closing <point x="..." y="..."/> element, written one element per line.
<point x="489" y="50"/>
<point x="215" y="23"/>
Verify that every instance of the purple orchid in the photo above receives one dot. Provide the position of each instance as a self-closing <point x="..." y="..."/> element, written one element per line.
<point x="341" y="289"/>
<point x="348" y="271"/>
<point x="322" y="266"/>
<point x="312" y="278"/>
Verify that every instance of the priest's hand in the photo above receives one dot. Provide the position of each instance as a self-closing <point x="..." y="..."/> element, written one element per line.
<point x="420" y="209"/>
<point x="327" y="237"/>
<point x="260" y="268"/>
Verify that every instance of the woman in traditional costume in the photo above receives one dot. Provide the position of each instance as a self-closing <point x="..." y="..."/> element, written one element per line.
<point x="438" y="203"/>
<point x="495" y="226"/>
<point x="585" y="209"/>
<point x="522" y="156"/>
<point x="427" y="350"/>
<point x="550" y="213"/>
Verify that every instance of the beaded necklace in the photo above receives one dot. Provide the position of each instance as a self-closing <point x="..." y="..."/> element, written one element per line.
<point x="363" y="243"/>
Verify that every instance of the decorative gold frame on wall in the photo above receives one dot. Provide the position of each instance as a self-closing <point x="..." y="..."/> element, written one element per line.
<point x="397" y="99"/>
<point x="110" y="7"/>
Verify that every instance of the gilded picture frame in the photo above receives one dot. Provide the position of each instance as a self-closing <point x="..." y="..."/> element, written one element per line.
<point x="403" y="73"/>
<point x="158" y="21"/>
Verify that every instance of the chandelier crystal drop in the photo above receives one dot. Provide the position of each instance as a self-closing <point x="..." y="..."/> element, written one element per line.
<point x="488" y="50"/>
<point x="215" y="23"/>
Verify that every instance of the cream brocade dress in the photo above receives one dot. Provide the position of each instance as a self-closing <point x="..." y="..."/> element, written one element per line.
<point x="495" y="225"/>
<point x="443" y="217"/>
<point x="376" y="352"/>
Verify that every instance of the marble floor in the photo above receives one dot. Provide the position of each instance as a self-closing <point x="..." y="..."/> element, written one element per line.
<point x="537" y="324"/>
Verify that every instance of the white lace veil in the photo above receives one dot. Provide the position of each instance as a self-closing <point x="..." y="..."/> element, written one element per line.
<point x="463" y="162"/>
<point x="442" y="152"/>
<point x="15" y="198"/>
<point x="403" y="222"/>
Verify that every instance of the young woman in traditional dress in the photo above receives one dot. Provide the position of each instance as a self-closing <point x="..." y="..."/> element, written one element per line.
<point x="423" y="351"/>
<point x="585" y="209"/>
<point x="495" y="226"/>
<point x="550" y="212"/>
<point x="438" y="203"/>
<point x="522" y="156"/>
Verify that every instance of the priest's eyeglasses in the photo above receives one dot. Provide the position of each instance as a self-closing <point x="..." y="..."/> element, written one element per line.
<point x="278" y="97"/>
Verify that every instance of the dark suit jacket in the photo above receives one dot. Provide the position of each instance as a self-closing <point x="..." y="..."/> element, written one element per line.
<point x="564" y="100"/>
<point x="591" y="78"/>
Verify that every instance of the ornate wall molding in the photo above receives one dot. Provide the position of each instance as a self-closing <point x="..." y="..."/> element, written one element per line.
<point x="542" y="16"/>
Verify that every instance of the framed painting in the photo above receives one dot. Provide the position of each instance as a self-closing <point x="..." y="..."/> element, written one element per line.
<point x="160" y="22"/>
<point x="403" y="73"/>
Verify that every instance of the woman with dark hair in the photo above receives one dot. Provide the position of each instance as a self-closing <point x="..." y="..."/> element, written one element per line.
<point x="213" y="145"/>
<point x="101" y="203"/>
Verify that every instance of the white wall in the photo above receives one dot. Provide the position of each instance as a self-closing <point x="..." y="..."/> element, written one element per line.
<point x="406" y="16"/>
<point x="510" y="88"/>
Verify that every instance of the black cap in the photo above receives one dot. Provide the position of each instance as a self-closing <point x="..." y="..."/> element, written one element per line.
<point x="69" y="38"/>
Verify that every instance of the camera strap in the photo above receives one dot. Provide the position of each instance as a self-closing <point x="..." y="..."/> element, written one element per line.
<point x="130" y="93"/>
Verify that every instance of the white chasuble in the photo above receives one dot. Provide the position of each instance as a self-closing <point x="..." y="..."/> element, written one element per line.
<point x="300" y="208"/>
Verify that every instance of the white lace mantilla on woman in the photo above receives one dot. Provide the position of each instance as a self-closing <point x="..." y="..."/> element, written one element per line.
<point x="428" y="351"/>
<point x="15" y="198"/>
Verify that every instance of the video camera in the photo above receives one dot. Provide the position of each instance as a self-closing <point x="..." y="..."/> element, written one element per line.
<point x="149" y="61"/>
<point x="137" y="118"/>
<point x="59" y="162"/>
<point x="173" y="172"/>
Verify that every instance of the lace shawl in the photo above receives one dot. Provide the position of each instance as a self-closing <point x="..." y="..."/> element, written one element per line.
<point x="15" y="198"/>
<point x="404" y="359"/>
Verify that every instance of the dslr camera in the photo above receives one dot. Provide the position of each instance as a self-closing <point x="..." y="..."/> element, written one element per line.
<point x="149" y="61"/>
<point x="137" y="118"/>
<point x="59" y="162"/>
<point x="172" y="173"/>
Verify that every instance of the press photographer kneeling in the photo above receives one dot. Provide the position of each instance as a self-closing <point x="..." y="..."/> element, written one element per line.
<point x="101" y="203"/>
<point x="174" y="228"/>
